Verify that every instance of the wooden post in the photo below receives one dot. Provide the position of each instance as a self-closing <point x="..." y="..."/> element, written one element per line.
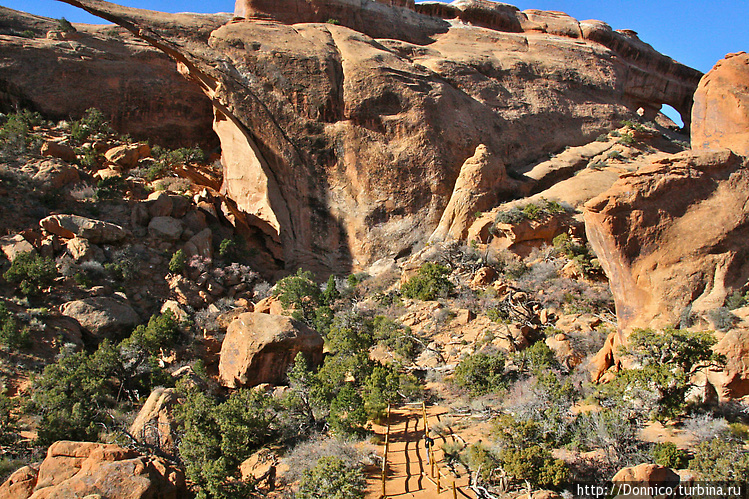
<point x="439" y="489"/>
<point x="385" y="458"/>
<point x="455" y="491"/>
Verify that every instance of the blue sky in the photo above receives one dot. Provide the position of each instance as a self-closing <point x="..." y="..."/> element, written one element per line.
<point x="697" y="33"/>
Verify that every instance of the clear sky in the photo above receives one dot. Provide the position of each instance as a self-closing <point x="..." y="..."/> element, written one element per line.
<point x="697" y="33"/>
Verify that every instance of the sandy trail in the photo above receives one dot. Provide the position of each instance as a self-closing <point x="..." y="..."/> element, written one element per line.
<point x="408" y="470"/>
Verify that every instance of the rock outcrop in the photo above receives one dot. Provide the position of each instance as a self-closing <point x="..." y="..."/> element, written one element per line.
<point x="260" y="348"/>
<point x="135" y="85"/>
<point x="70" y="226"/>
<point x="82" y="469"/>
<point x="480" y="182"/>
<point x="361" y="160"/>
<point x="155" y="424"/>
<point x="720" y="115"/>
<point x="672" y="238"/>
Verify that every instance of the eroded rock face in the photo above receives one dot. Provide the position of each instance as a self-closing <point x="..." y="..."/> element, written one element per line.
<point x="260" y="348"/>
<point x="360" y="161"/>
<point x="80" y="469"/>
<point x="136" y="86"/>
<point x="672" y="237"/>
<point x="720" y="115"/>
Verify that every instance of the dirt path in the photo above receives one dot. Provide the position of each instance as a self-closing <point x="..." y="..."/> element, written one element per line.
<point x="408" y="470"/>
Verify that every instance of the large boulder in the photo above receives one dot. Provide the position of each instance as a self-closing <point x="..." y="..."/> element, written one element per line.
<point x="644" y="475"/>
<point x="127" y="155"/>
<point x="155" y="424"/>
<point x="80" y="469"/>
<point x="96" y="231"/>
<point x="260" y="348"/>
<point x="101" y="316"/>
<point x="360" y="161"/>
<point x="673" y="237"/>
<point x="720" y="116"/>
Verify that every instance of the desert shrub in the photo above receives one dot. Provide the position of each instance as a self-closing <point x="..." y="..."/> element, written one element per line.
<point x="395" y="336"/>
<point x="524" y="453"/>
<point x="65" y="26"/>
<point x="91" y="124"/>
<point x="32" y="273"/>
<point x="511" y="216"/>
<point x="12" y="336"/>
<point x="481" y="373"/>
<point x="305" y="455"/>
<point x="481" y="460"/>
<point x="72" y="396"/>
<point x="633" y="125"/>
<point x="602" y="137"/>
<point x="228" y="250"/>
<point x="111" y="188"/>
<point x="331" y="293"/>
<point x="430" y="283"/>
<point x="534" y="464"/>
<point x="627" y="139"/>
<point x="614" y="155"/>
<point x="704" y="427"/>
<point x="299" y="292"/>
<point x="182" y="155"/>
<point x="719" y="460"/>
<point x="535" y="359"/>
<point x="581" y="254"/>
<point x="667" y="454"/>
<point x="658" y="389"/>
<point x="124" y="265"/>
<point x="15" y="133"/>
<point x="386" y="385"/>
<point x="218" y="436"/>
<point x="178" y="262"/>
<point x="332" y="478"/>
<point x="737" y="300"/>
<point x="722" y="318"/>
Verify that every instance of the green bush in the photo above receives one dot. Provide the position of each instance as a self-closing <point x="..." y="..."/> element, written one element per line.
<point x="737" y="300"/>
<point x="667" y="360"/>
<point x="32" y="273"/>
<point x="15" y="133"/>
<point x="534" y="464"/>
<point x="178" y="262"/>
<point x="331" y="478"/>
<point x="299" y="292"/>
<point x="91" y="124"/>
<point x="628" y="139"/>
<point x="65" y="26"/>
<point x="481" y="373"/>
<point x="218" y="436"/>
<point x="11" y="335"/>
<point x="73" y="395"/>
<point x="429" y="283"/>
<point x="718" y="459"/>
<point x="667" y="454"/>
